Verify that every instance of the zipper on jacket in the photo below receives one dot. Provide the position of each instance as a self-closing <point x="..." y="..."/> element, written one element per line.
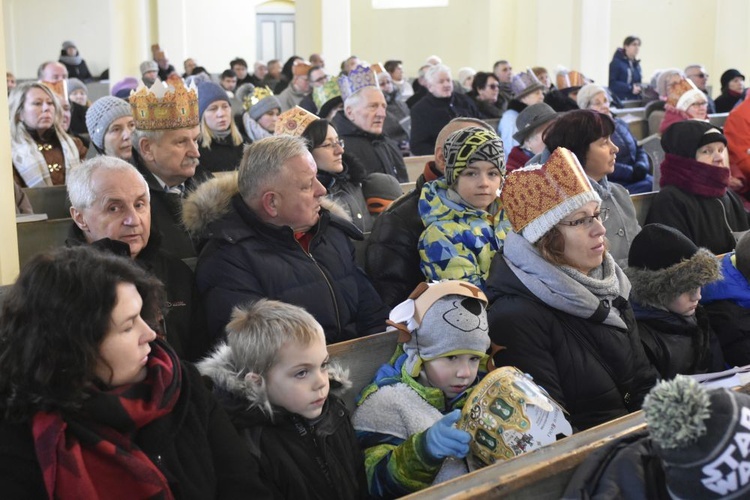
<point x="328" y="282"/>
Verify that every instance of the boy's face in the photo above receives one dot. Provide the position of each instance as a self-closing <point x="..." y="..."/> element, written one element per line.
<point x="686" y="303"/>
<point x="298" y="381"/>
<point x="452" y="374"/>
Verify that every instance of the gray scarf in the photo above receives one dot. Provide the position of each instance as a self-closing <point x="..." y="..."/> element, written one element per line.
<point x="564" y="288"/>
<point x="72" y="60"/>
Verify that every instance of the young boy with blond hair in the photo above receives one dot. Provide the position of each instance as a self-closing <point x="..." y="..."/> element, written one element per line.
<point x="272" y="375"/>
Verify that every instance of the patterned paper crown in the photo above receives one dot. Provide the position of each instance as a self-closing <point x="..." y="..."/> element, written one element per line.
<point x="537" y="197"/>
<point x="359" y="78"/>
<point x="525" y="83"/>
<point x="258" y="94"/>
<point x="567" y="79"/>
<point x="59" y="88"/>
<point x="166" y="105"/>
<point x="300" y="68"/>
<point x="326" y="92"/>
<point x="294" y="121"/>
<point x="675" y="91"/>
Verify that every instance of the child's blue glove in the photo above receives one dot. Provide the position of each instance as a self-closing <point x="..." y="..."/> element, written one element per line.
<point x="443" y="440"/>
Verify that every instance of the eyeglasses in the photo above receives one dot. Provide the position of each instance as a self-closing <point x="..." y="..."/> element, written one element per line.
<point x="699" y="75"/>
<point x="322" y="79"/>
<point x="332" y="144"/>
<point x="493" y="86"/>
<point x="702" y="103"/>
<point x="602" y="215"/>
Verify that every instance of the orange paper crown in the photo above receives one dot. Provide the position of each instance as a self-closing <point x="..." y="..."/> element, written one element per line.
<point x="675" y="91"/>
<point x="567" y="79"/>
<point x="59" y="88"/>
<point x="537" y="197"/>
<point x="294" y="121"/>
<point x="165" y="106"/>
<point x="359" y="78"/>
<point x="301" y="68"/>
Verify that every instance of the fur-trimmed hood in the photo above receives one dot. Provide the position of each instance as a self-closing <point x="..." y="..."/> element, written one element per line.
<point x="221" y="368"/>
<point x="659" y="288"/>
<point x="212" y="200"/>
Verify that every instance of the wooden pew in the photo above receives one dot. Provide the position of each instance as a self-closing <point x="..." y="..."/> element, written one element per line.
<point x="652" y="146"/>
<point x="38" y="236"/>
<point x="718" y="119"/>
<point x="50" y="200"/>
<point x="642" y="203"/>
<point x="635" y="113"/>
<point x="415" y="165"/>
<point x="639" y="128"/>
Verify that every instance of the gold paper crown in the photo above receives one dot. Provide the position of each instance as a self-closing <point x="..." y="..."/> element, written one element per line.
<point x="165" y="106"/>
<point x="59" y="88"/>
<point x="258" y="94"/>
<point x="294" y="121"/>
<point x="357" y="79"/>
<point x="675" y="91"/>
<point x="532" y="191"/>
<point x="326" y="92"/>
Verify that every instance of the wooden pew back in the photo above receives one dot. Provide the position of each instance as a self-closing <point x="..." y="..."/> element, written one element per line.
<point x="38" y="236"/>
<point x="415" y="165"/>
<point x="642" y="203"/>
<point x="50" y="200"/>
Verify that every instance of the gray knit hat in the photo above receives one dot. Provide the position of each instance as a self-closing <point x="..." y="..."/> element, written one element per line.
<point x="68" y="44"/>
<point x="101" y="114"/>
<point x="147" y="66"/>
<point x="264" y="106"/>
<point x="76" y="84"/>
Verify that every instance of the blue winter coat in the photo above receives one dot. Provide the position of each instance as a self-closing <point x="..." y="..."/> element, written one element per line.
<point x="632" y="166"/>
<point x="623" y="73"/>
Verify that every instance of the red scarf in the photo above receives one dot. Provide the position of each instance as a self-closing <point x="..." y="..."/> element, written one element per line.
<point x="694" y="176"/>
<point x="92" y="455"/>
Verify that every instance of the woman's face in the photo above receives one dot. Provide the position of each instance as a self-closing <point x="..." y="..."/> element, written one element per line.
<point x="715" y="154"/>
<point x="600" y="103"/>
<point x="78" y="96"/>
<point x="534" y="98"/>
<point x="117" y="138"/>
<point x="123" y="352"/>
<point x="584" y="243"/>
<point x="698" y="110"/>
<point x="600" y="158"/>
<point x="268" y="120"/>
<point x="441" y="85"/>
<point x="490" y="91"/>
<point x="632" y="50"/>
<point x="38" y="112"/>
<point x="327" y="155"/>
<point x="686" y="303"/>
<point x="736" y="84"/>
<point x="478" y="184"/>
<point x="218" y="115"/>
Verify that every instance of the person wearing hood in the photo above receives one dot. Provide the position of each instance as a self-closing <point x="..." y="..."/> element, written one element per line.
<point x="625" y="70"/>
<point x="273" y="377"/>
<point x="667" y="271"/>
<point x="71" y="58"/>
<point x="464" y="221"/>
<point x="528" y="90"/>
<point x="559" y="301"/>
<point x="694" y="196"/>
<point x="268" y="232"/>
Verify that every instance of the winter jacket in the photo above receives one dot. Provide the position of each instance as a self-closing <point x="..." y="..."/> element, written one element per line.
<point x="727" y="101"/>
<point x="298" y="458"/>
<point x="506" y="127"/>
<point x="392" y="260"/>
<point x="597" y="372"/>
<point x="222" y="156"/>
<point x="194" y="446"/>
<point x="431" y="114"/>
<point x="345" y="188"/>
<point x="623" y="73"/>
<point x="459" y="241"/>
<point x="737" y="132"/>
<point x="289" y="98"/>
<point x="397" y="113"/>
<point x="632" y="166"/>
<point x="166" y="210"/>
<point x="517" y="158"/>
<point x="244" y="259"/>
<point x="487" y="110"/>
<point x="390" y="421"/>
<point x="727" y="303"/>
<point x="378" y="153"/>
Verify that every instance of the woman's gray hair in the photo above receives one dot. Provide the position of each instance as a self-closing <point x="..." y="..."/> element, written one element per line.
<point x="263" y="160"/>
<point x="661" y="82"/>
<point x="79" y="180"/>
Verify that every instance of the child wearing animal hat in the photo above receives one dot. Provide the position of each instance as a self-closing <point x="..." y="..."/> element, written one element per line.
<point x="404" y="419"/>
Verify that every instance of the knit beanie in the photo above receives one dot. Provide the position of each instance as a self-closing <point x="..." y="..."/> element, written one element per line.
<point x="689" y="98"/>
<point x="264" y="106"/>
<point x="537" y="197"/>
<point x="728" y="76"/>
<point x="380" y="190"/>
<point x="68" y="44"/>
<point x="702" y="438"/>
<point x="122" y="88"/>
<point x="101" y="114"/>
<point x="210" y="92"/>
<point x="524" y="84"/>
<point x="663" y="264"/>
<point x="447" y="318"/>
<point x="742" y="256"/>
<point x="531" y="118"/>
<point x="147" y="66"/>
<point x="76" y="84"/>
<point x="587" y="93"/>
<point x="469" y="145"/>
<point x="685" y="137"/>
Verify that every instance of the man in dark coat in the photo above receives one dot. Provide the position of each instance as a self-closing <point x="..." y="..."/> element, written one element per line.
<point x="110" y="209"/>
<point x="267" y="234"/>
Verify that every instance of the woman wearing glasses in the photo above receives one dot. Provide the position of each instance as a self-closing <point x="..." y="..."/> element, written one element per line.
<point x="484" y="90"/>
<point x="560" y="308"/>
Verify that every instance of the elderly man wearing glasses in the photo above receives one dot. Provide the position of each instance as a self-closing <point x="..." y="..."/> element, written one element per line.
<point x="699" y="76"/>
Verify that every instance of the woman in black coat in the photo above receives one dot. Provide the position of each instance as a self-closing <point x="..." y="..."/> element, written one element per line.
<point x="221" y="143"/>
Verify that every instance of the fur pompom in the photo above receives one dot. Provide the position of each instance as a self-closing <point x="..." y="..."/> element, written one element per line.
<point x="676" y="411"/>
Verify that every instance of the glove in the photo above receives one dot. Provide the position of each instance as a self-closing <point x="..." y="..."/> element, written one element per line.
<point x="443" y="440"/>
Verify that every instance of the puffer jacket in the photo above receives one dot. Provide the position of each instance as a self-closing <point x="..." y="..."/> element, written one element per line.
<point x="459" y="241"/>
<point x="378" y="153"/>
<point x="298" y="458"/>
<point x="243" y="259"/>
<point x="632" y="166"/>
<point x="623" y="73"/>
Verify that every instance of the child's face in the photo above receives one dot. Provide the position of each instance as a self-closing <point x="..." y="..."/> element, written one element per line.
<point x="686" y="303"/>
<point x="478" y="184"/>
<point x="452" y="374"/>
<point x="268" y="120"/>
<point x="298" y="381"/>
<point x="78" y="96"/>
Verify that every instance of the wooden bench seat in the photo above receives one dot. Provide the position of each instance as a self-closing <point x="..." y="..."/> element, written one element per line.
<point x="51" y="200"/>
<point x="38" y="236"/>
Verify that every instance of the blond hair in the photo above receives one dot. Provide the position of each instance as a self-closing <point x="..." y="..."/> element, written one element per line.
<point x="207" y="136"/>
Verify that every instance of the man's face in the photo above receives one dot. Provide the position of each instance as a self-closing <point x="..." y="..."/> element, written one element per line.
<point x="441" y="85"/>
<point x="369" y="113"/>
<point x="229" y="83"/>
<point x="398" y="73"/>
<point x="504" y="72"/>
<point x="174" y="157"/>
<point x="302" y="84"/>
<point x="54" y="72"/>
<point x="189" y="65"/>
<point x="698" y="76"/>
<point x="240" y="70"/>
<point x="274" y="69"/>
<point x="297" y="194"/>
<point x="150" y="75"/>
<point x="317" y="78"/>
<point x="261" y="70"/>
<point x="121" y="210"/>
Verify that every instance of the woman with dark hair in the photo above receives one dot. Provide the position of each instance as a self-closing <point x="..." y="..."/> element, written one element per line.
<point x="588" y="135"/>
<point x="625" y="70"/>
<point x="559" y="301"/>
<point x="484" y="90"/>
<point x="732" y="91"/>
<point x="93" y="403"/>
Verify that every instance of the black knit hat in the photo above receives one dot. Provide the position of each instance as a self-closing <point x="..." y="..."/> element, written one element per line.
<point x="663" y="264"/>
<point x="728" y="76"/>
<point x="685" y="137"/>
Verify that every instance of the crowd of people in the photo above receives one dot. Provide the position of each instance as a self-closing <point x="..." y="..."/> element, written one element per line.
<point x="518" y="245"/>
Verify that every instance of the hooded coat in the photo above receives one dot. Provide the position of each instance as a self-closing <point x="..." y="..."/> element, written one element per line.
<point x="244" y="259"/>
<point x="623" y="73"/>
<point x="298" y="458"/>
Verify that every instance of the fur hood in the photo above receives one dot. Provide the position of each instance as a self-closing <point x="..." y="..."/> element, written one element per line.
<point x="220" y="367"/>
<point x="659" y="288"/>
<point x="212" y="200"/>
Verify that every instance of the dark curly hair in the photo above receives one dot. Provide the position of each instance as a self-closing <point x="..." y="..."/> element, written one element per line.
<point x="576" y="130"/>
<point x="53" y="321"/>
<point x="480" y="81"/>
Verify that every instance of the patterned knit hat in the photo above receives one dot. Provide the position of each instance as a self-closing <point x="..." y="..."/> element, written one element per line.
<point x="537" y="197"/>
<point x="101" y="114"/>
<point x="447" y="318"/>
<point x="147" y="66"/>
<point x="469" y="145"/>
<point x="702" y="438"/>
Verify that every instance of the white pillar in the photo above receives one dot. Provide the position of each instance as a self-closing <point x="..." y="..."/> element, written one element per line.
<point x="594" y="46"/>
<point x="129" y="39"/>
<point x="336" y="29"/>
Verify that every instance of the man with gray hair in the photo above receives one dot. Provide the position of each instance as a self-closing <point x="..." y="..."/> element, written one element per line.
<point x="270" y="233"/>
<point x="698" y="74"/>
<point x="111" y="210"/>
